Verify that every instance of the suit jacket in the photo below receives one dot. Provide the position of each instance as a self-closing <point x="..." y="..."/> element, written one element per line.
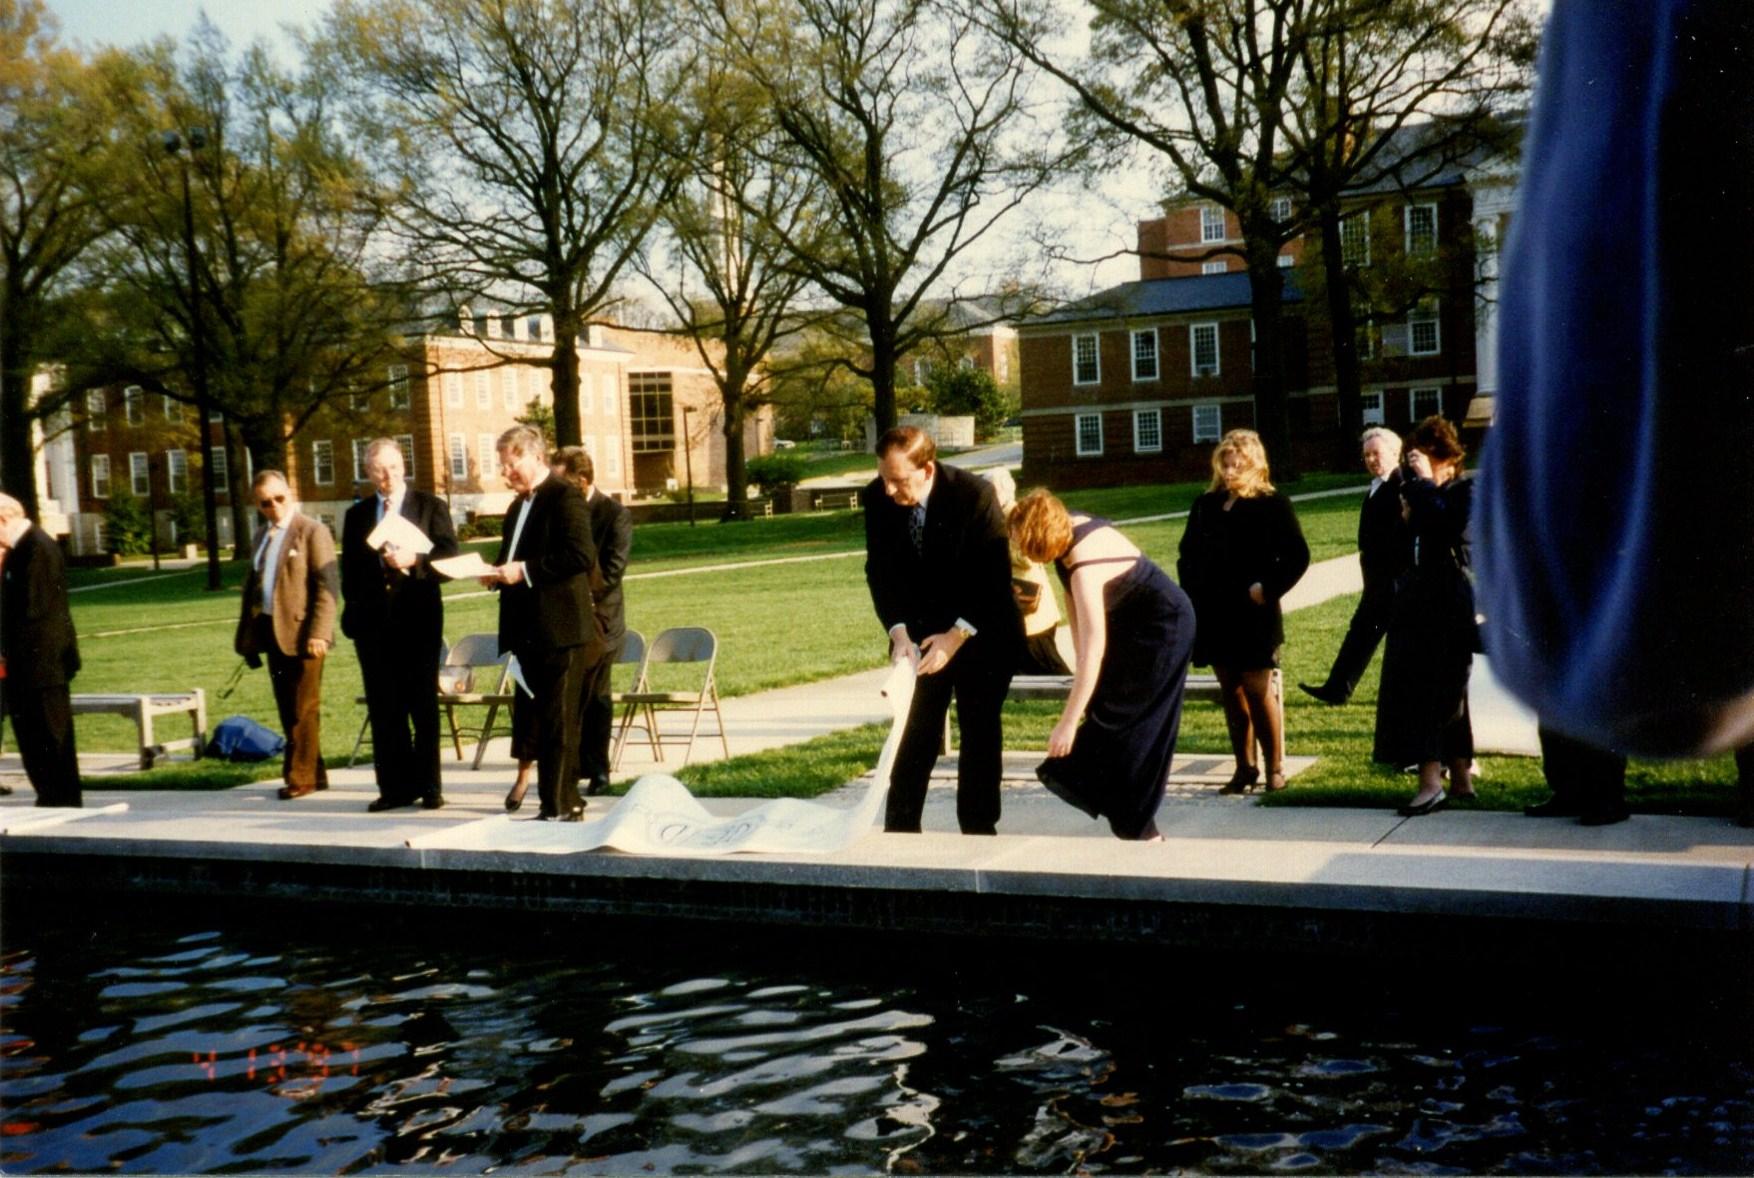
<point x="612" y="534"/>
<point x="965" y="571"/>
<point x="378" y="598"/>
<point x="36" y="627"/>
<point x="551" y="607"/>
<point x="1385" y="543"/>
<point x="306" y="586"/>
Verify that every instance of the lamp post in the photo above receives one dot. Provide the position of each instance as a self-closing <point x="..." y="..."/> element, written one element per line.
<point x="196" y="139"/>
<point x="688" y="459"/>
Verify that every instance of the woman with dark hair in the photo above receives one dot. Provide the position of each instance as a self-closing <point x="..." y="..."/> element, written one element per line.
<point x="1109" y="754"/>
<point x="1242" y="551"/>
<point x="1422" y="707"/>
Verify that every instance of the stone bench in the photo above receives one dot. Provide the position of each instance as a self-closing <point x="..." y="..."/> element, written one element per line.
<point x="144" y="710"/>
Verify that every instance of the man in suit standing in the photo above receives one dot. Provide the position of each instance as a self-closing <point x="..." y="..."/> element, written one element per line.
<point x="395" y="616"/>
<point x="545" y="616"/>
<point x="289" y="619"/>
<point x="612" y="536"/>
<point x="39" y="655"/>
<point x="1385" y="551"/>
<point x="939" y="568"/>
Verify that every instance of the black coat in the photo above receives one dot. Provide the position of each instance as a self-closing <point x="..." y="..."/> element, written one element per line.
<point x="551" y="607"/>
<point x="36" y="627"/>
<point x="612" y="535"/>
<point x="1385" y="543"/>
<point x="1258" y="541"/>
<point x="965" y="571"/>
<point x="379" y="599"/>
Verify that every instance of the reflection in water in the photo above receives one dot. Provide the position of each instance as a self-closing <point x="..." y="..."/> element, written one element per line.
<point x="174" y="1046"/>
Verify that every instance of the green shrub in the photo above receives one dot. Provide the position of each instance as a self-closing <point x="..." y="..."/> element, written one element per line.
<point x="128" y="523"/>
<point x="783" y="469"/>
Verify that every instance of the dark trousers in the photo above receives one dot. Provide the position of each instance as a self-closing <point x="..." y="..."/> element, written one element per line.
<point x="298" y="695"/>
<point x="401" y="693"/>
<point x="596" y="715"/>
<point x="1581" y="774"/>
<point x="1369" y="622"/>
<point x="979" y="687"/>
<point x="553" y="676"/>
<point x="42" y="725"/>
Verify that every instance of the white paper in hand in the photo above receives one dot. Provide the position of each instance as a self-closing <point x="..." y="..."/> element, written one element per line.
<point x="469" y="564"/>
<point x="401" y="531"/>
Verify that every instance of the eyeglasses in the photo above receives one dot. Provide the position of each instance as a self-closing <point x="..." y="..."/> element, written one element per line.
<point x="272" y="500"/>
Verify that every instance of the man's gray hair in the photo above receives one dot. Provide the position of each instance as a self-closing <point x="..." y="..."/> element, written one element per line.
<point x="10" y="509"/>
<point x="1376" y="431"/>
<point x="377" y="445"/>
<point x="523" y="439"/>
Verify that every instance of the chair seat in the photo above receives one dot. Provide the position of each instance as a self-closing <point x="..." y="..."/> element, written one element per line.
<point x="477" y="697"/>
<point x="658" y="697"/>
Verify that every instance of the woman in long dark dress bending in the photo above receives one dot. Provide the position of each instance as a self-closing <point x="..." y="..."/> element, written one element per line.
<point x="1243" y="550"/>
<point x="1134" y="631"/>
<point x="1422" y="706"/>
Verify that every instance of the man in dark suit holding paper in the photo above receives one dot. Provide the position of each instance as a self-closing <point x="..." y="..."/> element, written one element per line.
<point x="38" y="655"/>
<point x="939" y="568"/>
<point x="395" y="616"/>
<point x="545" y="615"/>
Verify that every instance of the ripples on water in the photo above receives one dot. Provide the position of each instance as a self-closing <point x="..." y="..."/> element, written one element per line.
<point x="166" y="1046"/>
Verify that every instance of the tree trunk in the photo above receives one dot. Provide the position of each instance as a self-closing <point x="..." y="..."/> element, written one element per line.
<point x="17" y="456"/>
<point x="882" y="374"/>
<point x="238" y="488"/>
<point x="568" y="430"/>
<point x="1341" y="327"/>
<point x="736" y="470"/>
<point x="1267" y="303"/>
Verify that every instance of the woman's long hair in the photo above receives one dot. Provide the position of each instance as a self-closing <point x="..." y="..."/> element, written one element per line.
<point x="1256" y="478"/>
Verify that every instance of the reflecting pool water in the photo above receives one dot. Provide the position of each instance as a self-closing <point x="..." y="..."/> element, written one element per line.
<point x="347" y="1044"/>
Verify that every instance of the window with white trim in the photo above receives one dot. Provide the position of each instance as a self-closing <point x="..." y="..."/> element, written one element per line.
<point x="459" y="458"/>
<point x="396" y="376"/>
<point x="1211" y="223"/>
<point x="100" y="475"/>
<point x="94" y="410"/>
<point x="1203" y="348"/>
<point x="487" y="454"/>
<point x="1355" y="239"/>
<point x="139" y="473"/>
<point x="173" y="410"/>
<point x="357" y="401"/>
<point x="1421" y="225"/>
<point x="922" y="370"/>
<point x="1280" y="209"/>
<point x="176" y="470"/>
<point x="509" y="390"/>
<point x="1218" y="266"/>
<point x="1147" y="431"/>
<point x="1423" y="403"/>
<point x="483" y="389"/>
<point x="133" y="409"/>
<point x="1087" y="431"/>
<point x="358" y="446"/>
<point x="611" y="395"/>
<point x="612" y="454"/>
<point x="323" y="463"/>
<point x="587" y="394"/>
<point x="216" y="463"/>
<point x="405" y="443"/>
<point x="1208" y="422"/>
<point x="1424" y="338"/>
<point x="1086" y="360"/>
<point x="1371" y="403"/>
<point x="1145" y="354"/>
<point x="453" y="390"/>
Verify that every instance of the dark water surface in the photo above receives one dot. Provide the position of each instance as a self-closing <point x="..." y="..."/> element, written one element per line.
<point x="174" y="1043"/>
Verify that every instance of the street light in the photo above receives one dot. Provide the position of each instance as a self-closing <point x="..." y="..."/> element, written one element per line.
<point x="173" y="145"/>
<point x="688" y="459"/>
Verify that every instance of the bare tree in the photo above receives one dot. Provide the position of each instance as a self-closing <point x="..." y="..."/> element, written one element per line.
<point x="530" y="144"/>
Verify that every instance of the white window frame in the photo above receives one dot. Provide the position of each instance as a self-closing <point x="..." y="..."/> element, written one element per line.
<point x="459" y="454"/>
<point x="173" y="410"/>
<point x="1432" y="392"/>
<point x="508" y="388"/>
<point x="487" y="454"/>
<point x="1152" y="421"/>
<point x="453" y="390"/>
<point x="1215" y="266"/>
<point x="94" y="410"/>
<point x="612" y="454"/>
<point x="100" y="476"/>
<point x="1095" y="354"/>
<point x="405" y="443"/>
<point x="1213" y="431"/>
<point x="587" y="393"/>
<point x="1212" y="226"/>
<point x="322" y="454"/>
<point x="1079" y="445"/>
<point x="134" y="404"/>
<point x="1357" y="251"/>
<point x="611" y="394"/>
<point x="1154" y="362"/>
<point x="1194" y="330"/>
<point x="140" y="473"/>
<point x="1425" y="312"/>
<point x="396" y="378"/>
<point x="357" y="401"/>
<point x="1280" y="209"/>
<point x="483" y="389"/>
<point x="176" y="471"/>
<point x="1407" y="228"/>
<point x="218" y="467"/>
<point x="358" y="445"/>
<point x="1371" y="407"/>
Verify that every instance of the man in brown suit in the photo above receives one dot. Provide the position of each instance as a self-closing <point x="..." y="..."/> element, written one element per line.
<point x="289" y="618"/>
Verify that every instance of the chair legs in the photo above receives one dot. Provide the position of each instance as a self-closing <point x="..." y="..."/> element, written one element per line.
<point x="359" y="741"/>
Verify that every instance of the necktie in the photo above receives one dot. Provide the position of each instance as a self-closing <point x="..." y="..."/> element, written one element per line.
<point x="383" y="508"/>
<point x="916" y="528"/>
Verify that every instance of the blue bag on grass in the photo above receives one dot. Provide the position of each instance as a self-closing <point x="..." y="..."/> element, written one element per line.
<point x="239" y="738"/>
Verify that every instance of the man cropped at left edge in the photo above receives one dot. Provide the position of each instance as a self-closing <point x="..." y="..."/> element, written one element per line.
<point x="289" y="619"/>
<point x="39" y="655"/>
<point x="395" y="615"/>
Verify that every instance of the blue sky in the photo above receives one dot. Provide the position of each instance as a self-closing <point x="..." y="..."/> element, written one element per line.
<point x="97" y="22"/>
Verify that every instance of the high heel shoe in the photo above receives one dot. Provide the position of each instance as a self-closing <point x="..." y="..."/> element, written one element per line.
<point x="1243" y="781"/>
<point x="515" y="798"/>
<point x="1419" y="809"/>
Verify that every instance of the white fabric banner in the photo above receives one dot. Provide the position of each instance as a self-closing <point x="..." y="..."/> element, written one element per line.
<point x="659" y="815"/>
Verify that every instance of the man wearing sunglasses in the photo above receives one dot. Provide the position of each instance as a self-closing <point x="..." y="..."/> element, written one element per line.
<point x="289" y="619"/>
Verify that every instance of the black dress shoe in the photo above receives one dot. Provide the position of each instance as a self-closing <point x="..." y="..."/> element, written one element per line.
<point x="381" y="804"/>
<point x="432" y="800"/>
<point x="1604" y="814"/>
<point x="1412" y="810"/>
<point x="1328" y="694"/>
<point x="599" y="785"/>
<point x="1553" y="807"/>
<point x="577" y="814"/>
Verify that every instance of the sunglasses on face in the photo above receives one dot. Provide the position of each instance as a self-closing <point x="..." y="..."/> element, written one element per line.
<point x="272" y="500"/>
